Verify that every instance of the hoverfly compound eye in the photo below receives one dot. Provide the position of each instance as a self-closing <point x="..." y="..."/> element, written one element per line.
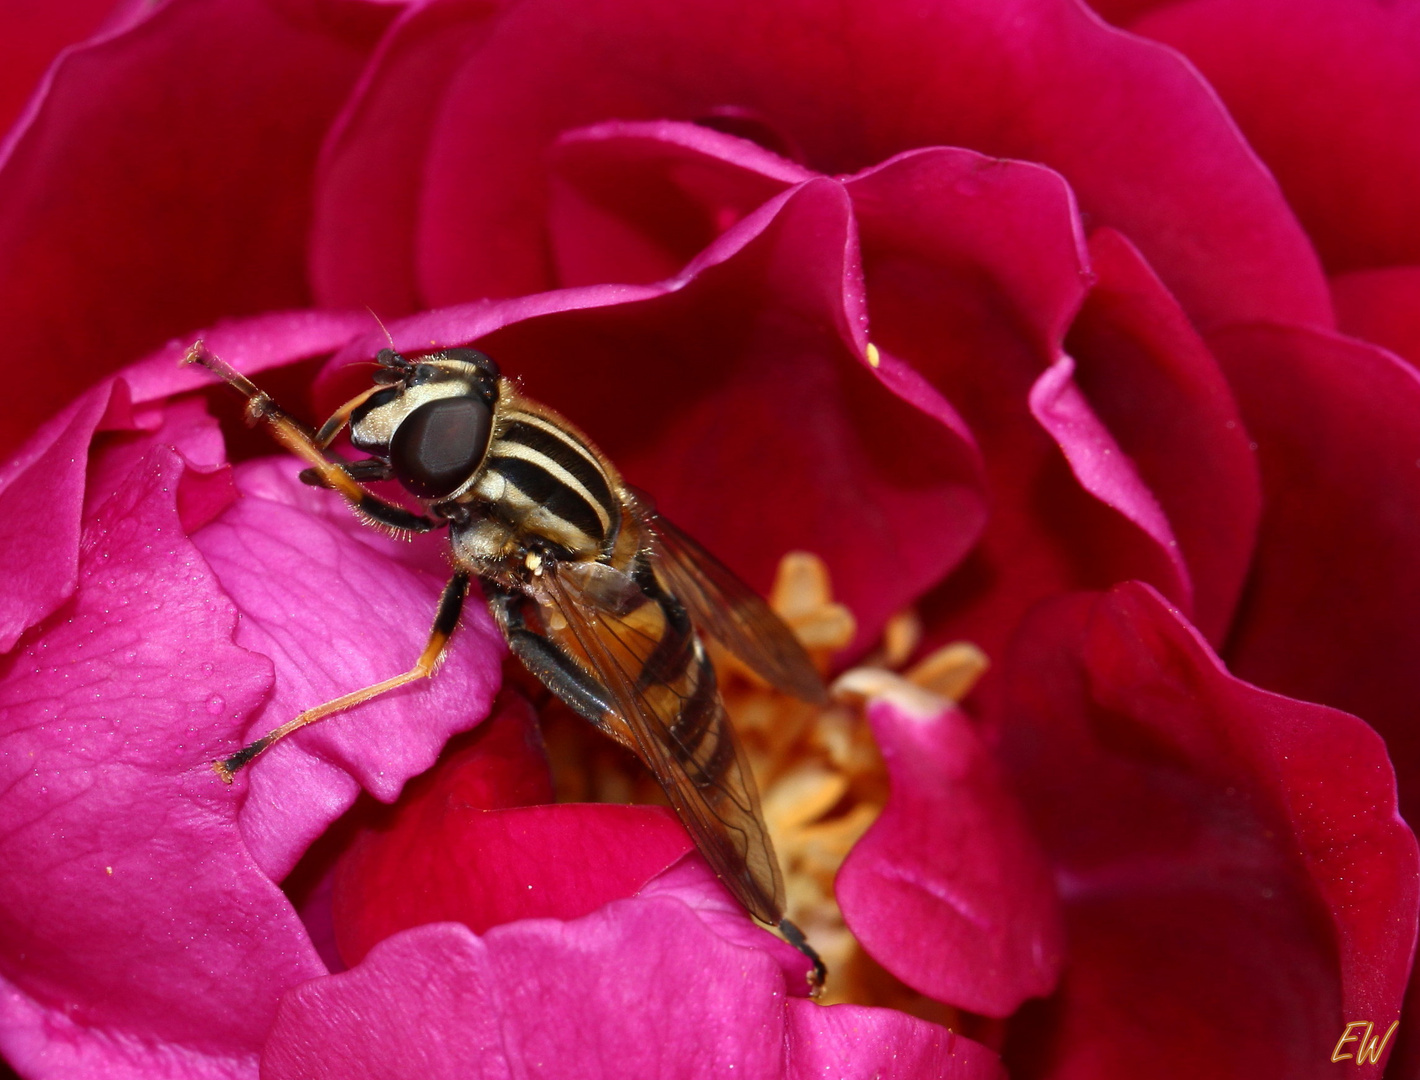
<point x="437" y="447"/>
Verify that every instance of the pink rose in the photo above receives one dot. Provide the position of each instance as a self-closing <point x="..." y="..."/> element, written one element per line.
<point x="993" y="306"/>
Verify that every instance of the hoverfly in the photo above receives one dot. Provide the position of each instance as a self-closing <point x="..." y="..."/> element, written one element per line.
<point x="600" y="597"/>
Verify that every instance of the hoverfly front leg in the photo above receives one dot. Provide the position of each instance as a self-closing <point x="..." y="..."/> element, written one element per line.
<point x="445" y="619"/>
<point x="296" y="438"/>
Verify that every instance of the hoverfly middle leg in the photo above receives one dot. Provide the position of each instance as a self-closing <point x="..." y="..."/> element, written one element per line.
<point x="301" y="442"/>
<point x="552" y="667"/>
<point x="445" y="619"/>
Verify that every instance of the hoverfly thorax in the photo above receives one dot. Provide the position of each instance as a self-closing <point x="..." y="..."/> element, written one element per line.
<point x="431" y="418"/>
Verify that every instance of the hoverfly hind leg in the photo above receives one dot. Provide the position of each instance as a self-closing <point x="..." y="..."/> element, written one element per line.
<point x="445" y="619"/>
<point x="795" y="937"/>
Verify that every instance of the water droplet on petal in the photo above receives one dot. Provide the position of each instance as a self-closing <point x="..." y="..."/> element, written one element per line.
<point x="215" y="704"/>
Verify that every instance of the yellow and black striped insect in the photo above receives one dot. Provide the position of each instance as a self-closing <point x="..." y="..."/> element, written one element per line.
<point x="600" y="597"/>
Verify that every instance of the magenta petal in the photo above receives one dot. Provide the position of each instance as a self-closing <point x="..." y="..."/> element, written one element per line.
<point x="140" y="201"/>
<point x="41" y="493"/>
<point x="137" y="936"/>
<point x="639" y="989"/>
<point x="856" y="1042"/>
<point x="1209" y="826"/>
<point x="334" y="613"/>
<point x="1330" y="611"/>
<point x="949" y="890"/>
<point x="691" y="881"/>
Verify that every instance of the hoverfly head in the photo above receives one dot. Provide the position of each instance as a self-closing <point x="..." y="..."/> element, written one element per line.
<point x="432" y="418"/>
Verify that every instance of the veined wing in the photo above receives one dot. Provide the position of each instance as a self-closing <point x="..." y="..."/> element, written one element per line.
<point x="727" y="609"/>
<point x="644" y="651"/>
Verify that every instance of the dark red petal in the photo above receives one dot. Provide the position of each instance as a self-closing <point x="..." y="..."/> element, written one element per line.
<point x="949" y="890"/>
<point x="1328" y="92"/>
<point x="636" y="202"/>
<point x="376" y="154"/>
<point x="31" y="34"/>
<point x="955" y="290"/>
<point x="1141" y="138"/>
<point x="1329" y="614"/>
<point x="1153" y="382"/>
<point x="1381" y="306"/>
<point x="162" y="183"/>
<point x="1210" y="826"/>
<point x="467" y="843"/>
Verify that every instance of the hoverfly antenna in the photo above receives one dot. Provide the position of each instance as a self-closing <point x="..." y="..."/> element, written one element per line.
<point x="383" y="328"/>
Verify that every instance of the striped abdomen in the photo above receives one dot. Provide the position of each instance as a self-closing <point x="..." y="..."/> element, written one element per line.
<point x="547" y="480"/>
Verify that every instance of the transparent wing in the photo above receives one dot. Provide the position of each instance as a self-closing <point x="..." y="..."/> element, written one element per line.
<point x="732" y="613"/>
<point x="646" y="654"/>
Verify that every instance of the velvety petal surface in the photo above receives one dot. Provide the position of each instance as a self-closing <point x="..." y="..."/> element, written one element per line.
<point x="738" y="395"/>
<point x="1223" y="832"/>
<point x="1328" y="93"/>
<point x="948" y="889"/>
<point x="1329" y="614"/>
<point x="639" y="989"/>
<point x="334" y="613"/>
<point x="1140" y="137"/>
<point x="139" y="937"/>
<point x="140" y="200"/>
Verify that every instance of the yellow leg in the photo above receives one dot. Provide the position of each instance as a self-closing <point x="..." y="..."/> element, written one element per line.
<point x="447" y="617"/>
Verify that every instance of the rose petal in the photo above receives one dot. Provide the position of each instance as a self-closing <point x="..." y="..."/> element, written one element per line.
<point x="1106" y="472"/>
<point x="31" y="34"/>
<point x="639" y="989"/>
<point x="636" y="202"/>
<point x="1328" y="92"/>
<point x="139" y="939"/>
<point x="41" y="492"/>
<point x="954" y="289"/>
<point x="1141" y="137"/>
<point x="335" y="614"/>
<point x="1382" y="306"/>
<point x="1151" y="380"/>
<point x="1329" y="613"/>
<point x="200" y="212"/>
<point x="948" y="890"/>
<point x="460" y="848"/>
<point x="1214" y="825"/>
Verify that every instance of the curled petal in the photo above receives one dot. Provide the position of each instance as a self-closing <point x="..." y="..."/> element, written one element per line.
<point x="949" y="890"/>
<point x="1213" y="825"/>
